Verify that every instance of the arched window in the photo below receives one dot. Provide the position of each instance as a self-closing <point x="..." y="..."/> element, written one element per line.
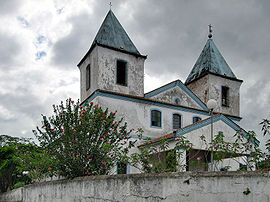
<point x="177" y="101"/>
<point x="176" y="121"/>
<point x="196" y="119"/>
<point x="156" y="118"/>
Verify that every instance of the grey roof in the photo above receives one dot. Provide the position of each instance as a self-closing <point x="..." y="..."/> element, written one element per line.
<point x="210" y="60"/>
<point x="112" y="34"/>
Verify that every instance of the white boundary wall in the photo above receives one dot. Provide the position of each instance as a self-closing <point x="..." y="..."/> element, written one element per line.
<point x="182" y="186"/>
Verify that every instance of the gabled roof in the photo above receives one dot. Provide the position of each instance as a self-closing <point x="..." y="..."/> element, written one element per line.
<point x="180" y="85"/>
<point x="112" y="35"/>
<point x="200" y="124"/>
<point x="210" y="60"/>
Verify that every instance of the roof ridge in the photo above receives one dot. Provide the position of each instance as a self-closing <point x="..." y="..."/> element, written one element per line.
<point x="210" y="61"/>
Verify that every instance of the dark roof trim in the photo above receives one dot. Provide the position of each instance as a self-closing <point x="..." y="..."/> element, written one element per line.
<point x="206" y="73"/>
<point x="109" y="47"/>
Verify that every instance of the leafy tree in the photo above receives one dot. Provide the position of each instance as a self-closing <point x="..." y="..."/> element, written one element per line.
<point x="83" y="140"/>
<point x="9" y="147"/>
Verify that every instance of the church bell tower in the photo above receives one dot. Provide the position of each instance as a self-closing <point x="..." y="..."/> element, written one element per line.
<point x="112" y="63"/>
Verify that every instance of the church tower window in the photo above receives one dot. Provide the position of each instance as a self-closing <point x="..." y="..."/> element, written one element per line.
<point x="176" y="121"/>
<point x="88" y="77"/>
<point x="121" y="72"/>
<point x="224" y="96"/>
<point x="156" y="118"/>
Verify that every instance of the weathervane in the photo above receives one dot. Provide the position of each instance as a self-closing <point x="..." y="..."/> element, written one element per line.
<point x="210" y="31"/>
<point x="110" y="5"/>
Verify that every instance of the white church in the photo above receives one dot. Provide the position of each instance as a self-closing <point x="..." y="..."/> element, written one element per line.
<point x="112" y="75"/>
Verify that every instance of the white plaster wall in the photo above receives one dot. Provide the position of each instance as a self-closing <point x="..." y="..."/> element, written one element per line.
<point x="137" y="115"/>
<point x="215" y="83"/>
<point x="103" y="72"/>
<point x="176" y="92"/>
<point x="167" y="187"/>
<point x="209" y="87"/>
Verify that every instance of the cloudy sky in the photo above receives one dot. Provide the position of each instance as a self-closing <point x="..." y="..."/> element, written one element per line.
<point x="41" y="42"/>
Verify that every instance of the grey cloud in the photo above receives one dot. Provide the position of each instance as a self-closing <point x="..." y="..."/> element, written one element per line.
<point x="9" y="49"/>
<point x="9" y="6"/>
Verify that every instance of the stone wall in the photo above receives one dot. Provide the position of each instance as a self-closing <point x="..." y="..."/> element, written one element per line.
<point x="185" y="186"/>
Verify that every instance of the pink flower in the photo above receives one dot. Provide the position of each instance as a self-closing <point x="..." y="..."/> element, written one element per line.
<point x="73" y="155"/>
<point x="132" y="129"/>
<point x="123" y="135"/>
<point x="103" y="162"/>
<point x="198" y="158"/>
<point x="112" y="113"/>
<point x="91" y="103"/>
<point x="62" y="130"/>
<point x="88" y="173"/>
<point x="84" y="167"/>
<point x="73" y="140"/>
<point x="88" y="156"/>
<point x="99" y="113"/>
<point x="78" y="155"/>
<point x="96" y="105"/>
<point x="101" y="138"/>
<point x="49" y="168"/>
<point x="74" y="130"/>
<point x="52" y="129"/>
<point x="52" y="152"/>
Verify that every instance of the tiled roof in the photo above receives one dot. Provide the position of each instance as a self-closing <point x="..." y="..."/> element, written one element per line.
<point x="210" y="60"/>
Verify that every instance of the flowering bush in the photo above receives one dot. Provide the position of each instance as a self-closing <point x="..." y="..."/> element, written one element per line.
<point x="83" y="140"/>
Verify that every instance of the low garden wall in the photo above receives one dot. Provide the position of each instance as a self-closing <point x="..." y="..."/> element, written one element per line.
<point x="182" y="186"/>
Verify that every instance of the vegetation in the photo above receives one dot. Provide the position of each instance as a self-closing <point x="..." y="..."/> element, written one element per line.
<point x="87" y="140"/>
<point x="83" y="140"/>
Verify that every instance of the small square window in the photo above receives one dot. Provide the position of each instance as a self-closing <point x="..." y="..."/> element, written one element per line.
<point x="196" y="119"/>
<point x="121" y="72"/>
<point x="121" y="168"/>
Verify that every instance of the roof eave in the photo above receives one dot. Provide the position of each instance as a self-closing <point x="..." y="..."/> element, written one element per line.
<point x="206" y="73"/>
<point x="95" y="43"/>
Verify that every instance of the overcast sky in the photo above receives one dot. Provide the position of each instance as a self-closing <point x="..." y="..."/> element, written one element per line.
<point x="41" y="42"/>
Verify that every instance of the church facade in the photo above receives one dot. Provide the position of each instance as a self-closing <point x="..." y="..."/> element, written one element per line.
<point x="112" y="75"/>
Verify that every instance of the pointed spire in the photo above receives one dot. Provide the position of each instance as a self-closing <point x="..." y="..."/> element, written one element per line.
<point x="112" y="34"/>
<point x="210" y="61"/>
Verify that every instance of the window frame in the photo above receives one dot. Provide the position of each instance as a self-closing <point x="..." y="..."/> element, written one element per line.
<point x="151" y="118"/>
<point x="126" y="72"/>
<point x="226" y="100"/>
<point x="181" y="117"/>
<point x="196" y="117"/>
<point x="177" y="98"/>
<point x="88" y="77"/>
<point x="118" y="168"/>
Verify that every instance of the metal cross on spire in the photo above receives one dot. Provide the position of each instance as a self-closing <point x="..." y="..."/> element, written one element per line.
<point x="110" y="5"/>
<point x="210" y="31"/>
